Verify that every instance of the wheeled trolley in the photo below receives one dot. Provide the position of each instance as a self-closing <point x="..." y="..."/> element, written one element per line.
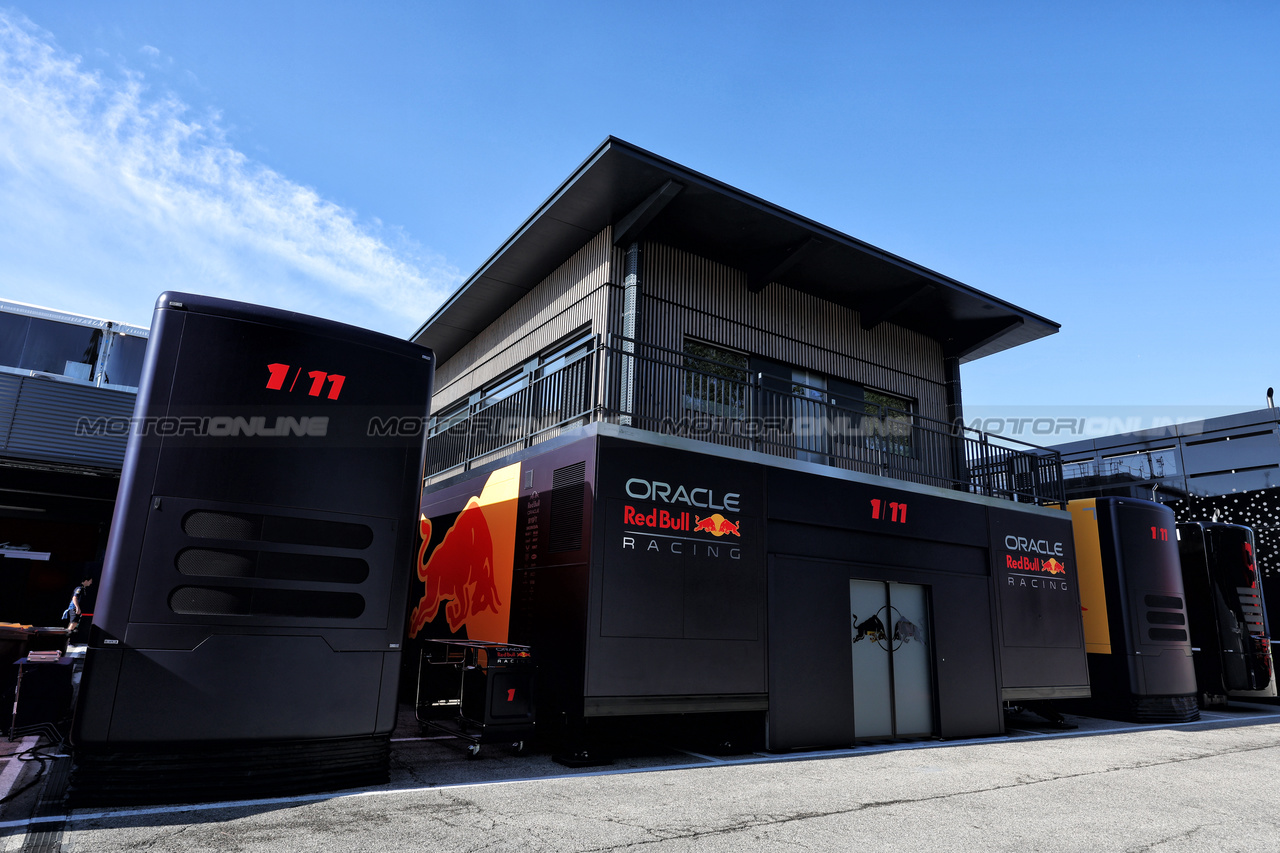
<point x="479" y="692"/>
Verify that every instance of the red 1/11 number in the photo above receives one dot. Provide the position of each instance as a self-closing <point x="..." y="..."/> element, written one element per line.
<point x="897" y="511"/>
<point x="1161" y="533"/>
<point x="280" y="372"/>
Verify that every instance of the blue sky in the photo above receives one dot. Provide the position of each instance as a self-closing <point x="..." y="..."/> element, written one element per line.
<point x="1114" y="167"/>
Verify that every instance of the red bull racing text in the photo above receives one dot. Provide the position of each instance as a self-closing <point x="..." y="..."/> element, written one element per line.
<point x="668" y="543"/>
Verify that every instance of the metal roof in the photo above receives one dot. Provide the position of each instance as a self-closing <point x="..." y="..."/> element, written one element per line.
<point x="648" y="197"/>
<point x="26" y="309"/>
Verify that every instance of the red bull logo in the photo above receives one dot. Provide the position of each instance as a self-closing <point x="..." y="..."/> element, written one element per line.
<point x="459" y="573"/>
<point x="717" y="525"/>
<point x="1034" y="564"/>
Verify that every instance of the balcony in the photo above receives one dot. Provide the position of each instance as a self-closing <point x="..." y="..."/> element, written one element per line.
<point x="624" y="382"/>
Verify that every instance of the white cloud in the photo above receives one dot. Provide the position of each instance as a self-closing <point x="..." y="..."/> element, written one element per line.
<point x="110" y="194"/>
<point x="155" y="59"/>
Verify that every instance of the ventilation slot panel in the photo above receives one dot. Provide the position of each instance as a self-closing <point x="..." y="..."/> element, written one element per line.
<point x="225" y="601"/>
<point x="1251" y="608"/>
<point x="271" y="565"/>
<point x="568" y="499"/>
<point x="284" y="530"/>
<point x="1170" y="612"/>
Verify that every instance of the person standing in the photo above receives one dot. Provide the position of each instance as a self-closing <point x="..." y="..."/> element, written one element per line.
<point x="76" y="608"/>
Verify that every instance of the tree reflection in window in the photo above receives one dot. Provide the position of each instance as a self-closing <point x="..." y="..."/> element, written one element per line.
<point x="887" y="422"/>
<point x="716" y="380"/>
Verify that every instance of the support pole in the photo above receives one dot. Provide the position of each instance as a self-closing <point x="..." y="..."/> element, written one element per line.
<point x="955" y="416"/>
<point x="630" y="300"/>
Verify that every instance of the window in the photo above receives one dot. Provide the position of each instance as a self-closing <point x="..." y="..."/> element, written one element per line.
<point x="496" y="392"/>
<point x="13" y="335"/>
<point x="1078" y="469"/>
<point x="811" y="414"/>
<point x="1146" y="464"/>
<point x="563" y="388"/>
<point x="124" y="362"/>
<point x="47" y="346"/>
<point x="442" y="420"/>
<point x="556" y="379"/>
<point x="889" y="419"/>
<point x="565" y="354"/>
<point x="716" y="380"/>
<point x="827" y="416"/>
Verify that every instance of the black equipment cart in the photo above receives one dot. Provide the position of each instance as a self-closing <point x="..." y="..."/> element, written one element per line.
<point x="480" y="692"/>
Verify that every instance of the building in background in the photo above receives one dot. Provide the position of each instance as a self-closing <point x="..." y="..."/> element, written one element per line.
<point x="67" y="388"/>
<point x="706" y="455"/>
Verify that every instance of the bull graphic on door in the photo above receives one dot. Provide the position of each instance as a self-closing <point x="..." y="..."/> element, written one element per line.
<point x="869" y="629"/>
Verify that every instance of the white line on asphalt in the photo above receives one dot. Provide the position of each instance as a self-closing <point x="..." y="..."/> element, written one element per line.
<point x="757" y="758"/>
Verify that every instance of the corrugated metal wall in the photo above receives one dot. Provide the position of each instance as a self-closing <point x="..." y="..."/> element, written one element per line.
<point x="38" y="419"/>
<point x="578" y="293"/>
<point x="688" y="295"/>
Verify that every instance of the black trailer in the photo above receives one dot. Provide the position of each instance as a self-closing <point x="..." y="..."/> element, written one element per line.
<point x="248" y="631"/>
<point x="1227" y="618"/>
<point x="656" y="575"/>
<point x="1134" y="610"/>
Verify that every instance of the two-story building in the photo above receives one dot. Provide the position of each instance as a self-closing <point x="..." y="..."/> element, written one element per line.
<point x="705" y="455"/>
<point x="68" y="383"/>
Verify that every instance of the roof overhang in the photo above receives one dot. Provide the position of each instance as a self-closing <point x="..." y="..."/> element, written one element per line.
<point x="648" y="197"/>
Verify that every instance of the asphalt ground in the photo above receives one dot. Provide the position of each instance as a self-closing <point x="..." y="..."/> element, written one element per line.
<point x="1105" y="786"/>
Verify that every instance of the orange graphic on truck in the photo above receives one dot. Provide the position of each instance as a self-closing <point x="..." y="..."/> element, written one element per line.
<point x="459" y="573"/>
<point x="469" y="572"/>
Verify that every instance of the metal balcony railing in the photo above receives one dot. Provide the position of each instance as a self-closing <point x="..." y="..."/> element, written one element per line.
<point x="665" y="391"/>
